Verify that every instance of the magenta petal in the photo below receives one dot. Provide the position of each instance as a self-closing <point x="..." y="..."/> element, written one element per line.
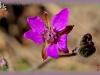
<point x="62" y="42"/>
<point x="34" y="36"/>
<point x="60" y="20"/>
<point x="52" y="51"/>
<point x="36" y="24"/>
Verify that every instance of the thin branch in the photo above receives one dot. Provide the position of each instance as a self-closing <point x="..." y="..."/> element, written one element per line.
<point x="48" y="60"/>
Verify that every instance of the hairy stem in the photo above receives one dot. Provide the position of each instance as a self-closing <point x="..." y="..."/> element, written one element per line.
<point x="41" y="65"/>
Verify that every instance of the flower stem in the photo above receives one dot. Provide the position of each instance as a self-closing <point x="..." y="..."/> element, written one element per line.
<point x="48" y="60"/>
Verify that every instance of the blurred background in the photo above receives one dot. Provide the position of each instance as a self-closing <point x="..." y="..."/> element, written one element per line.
<point x="24" y="55"/>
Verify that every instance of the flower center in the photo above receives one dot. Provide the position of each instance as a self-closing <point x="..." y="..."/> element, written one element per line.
<point x="50" y="35"/>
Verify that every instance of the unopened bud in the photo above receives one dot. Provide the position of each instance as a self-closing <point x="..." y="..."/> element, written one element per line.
<point x="87" y="37"/>
<point x="86" y="47"/>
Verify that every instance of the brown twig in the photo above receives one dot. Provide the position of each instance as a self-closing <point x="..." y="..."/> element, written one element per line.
<point x="48" y="60"/>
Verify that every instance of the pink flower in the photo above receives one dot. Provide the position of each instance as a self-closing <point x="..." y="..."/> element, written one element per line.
<point x="2" y="62"/>
<point x="53" y="33"/>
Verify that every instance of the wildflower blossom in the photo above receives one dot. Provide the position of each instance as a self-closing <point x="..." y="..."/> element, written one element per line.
<point x="3" y="64"/>
<point x="53" y="32"/>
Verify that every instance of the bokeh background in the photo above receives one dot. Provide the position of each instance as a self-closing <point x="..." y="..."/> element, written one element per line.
<point x="25" y="55"/>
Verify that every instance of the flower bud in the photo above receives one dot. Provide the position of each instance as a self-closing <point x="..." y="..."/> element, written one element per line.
<point x="87" y="37"/>
<point x="86" y="47"/>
